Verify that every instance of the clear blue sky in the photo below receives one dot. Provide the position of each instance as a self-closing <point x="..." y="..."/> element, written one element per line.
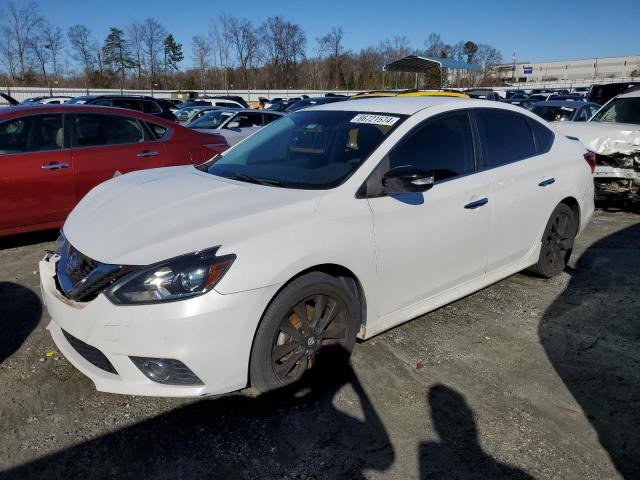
<point x="536" y="31"/>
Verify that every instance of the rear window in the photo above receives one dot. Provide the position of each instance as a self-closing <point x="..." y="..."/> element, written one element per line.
<point x="620" y="110"/>
<point x="553" y="113"/>
<point x="505" y="137"/>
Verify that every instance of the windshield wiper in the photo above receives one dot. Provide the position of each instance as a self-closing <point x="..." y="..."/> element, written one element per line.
<point x="260" y="181"/>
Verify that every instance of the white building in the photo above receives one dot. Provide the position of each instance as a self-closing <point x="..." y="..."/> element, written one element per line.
<point x="591" y="70"/>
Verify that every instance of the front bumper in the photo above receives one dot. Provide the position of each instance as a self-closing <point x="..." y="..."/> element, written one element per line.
<point x="211" y="334"/>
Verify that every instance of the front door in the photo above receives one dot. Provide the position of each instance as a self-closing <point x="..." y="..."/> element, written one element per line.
<point x="428" y="243"/>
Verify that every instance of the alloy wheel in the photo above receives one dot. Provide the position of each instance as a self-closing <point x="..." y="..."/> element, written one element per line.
<point x="313" y="323"/>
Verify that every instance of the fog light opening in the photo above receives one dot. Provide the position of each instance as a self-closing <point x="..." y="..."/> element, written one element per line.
<point x="156" y="370"/>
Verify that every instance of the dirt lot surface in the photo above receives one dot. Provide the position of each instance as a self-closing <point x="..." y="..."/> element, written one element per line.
<point x="527" y="378"/>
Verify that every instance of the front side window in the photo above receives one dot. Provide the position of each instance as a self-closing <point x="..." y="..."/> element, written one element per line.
<point x="211" y="120"/>
<point x="620" y="110"/>
<point x="97" y="130"/>
<point x="32" y="134"/>
<point x="443" y="146"/>
<point x="505" y="137"/>
<point x="308" y="150"/>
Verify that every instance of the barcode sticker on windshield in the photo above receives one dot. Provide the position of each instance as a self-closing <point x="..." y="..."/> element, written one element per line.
<point x="374" y="119"/>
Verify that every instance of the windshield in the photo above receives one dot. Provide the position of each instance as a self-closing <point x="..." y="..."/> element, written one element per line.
<point x="307" y="149"/>
<point x="620" y="110"/>
<point x="185" y="113"/>
<point x="211" y="120"/>
<point x="553" y="114"/>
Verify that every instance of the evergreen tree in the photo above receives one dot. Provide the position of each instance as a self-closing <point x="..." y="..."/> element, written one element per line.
<point x="116" y="54"/>
<point x="172" y="54"/>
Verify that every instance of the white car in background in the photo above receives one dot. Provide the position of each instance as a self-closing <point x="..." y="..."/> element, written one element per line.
<point x="234" y="125"/>
<point x="334" y="222"/>
<point x="613" y="135"/>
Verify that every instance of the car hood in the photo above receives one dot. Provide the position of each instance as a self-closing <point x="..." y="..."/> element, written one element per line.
<point x="152" y="215"/>
<point x="603" y="138"/>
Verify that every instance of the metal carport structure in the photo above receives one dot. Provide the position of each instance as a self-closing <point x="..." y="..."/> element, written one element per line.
<point x="416" y="64"/>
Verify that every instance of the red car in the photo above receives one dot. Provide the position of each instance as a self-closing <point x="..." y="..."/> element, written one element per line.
<point x="51" y="156"/>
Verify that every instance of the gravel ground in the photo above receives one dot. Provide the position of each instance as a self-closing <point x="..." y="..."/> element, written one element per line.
<point x="528" y="378"/>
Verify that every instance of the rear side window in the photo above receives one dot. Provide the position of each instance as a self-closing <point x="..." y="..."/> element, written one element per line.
<point x="31" y="134"/>
<point x="542" y="136"/>
<point x="150" y="107"/>
<point x="269" y="118"/>
<point x="443" y="146"/>
<point x="158" y="130"/>
<point x="96" y="130"/>
<point x="505" y="137"/>
<point x="126" y="103"/>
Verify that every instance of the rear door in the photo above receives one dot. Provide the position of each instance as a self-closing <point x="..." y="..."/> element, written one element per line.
<point x="36" y="185"/>
<point x="108" y="145"/>
<point x="523" y="183"/>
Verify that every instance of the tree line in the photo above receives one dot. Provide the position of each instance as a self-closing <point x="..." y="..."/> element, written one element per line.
<point x="232" y="54"/>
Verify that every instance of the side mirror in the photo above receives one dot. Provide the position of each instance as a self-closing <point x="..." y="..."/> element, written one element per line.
<point x="407" y="178"/>
<point x="232" y="125"/>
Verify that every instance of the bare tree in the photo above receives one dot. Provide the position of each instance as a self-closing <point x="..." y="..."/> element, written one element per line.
<point x="82" y="47"/>
<point x="53" y="37"/>
<point x="221" y="46"/>
<point x="244" y="41"/>
<point x="8" y="57"/>
<point x="201" y="55"/>
<point x="42" y="54"/>
<point x="333" y="42"/>
<point x="153" y="35"/>
<point x="134" y="37"/>
<point x="19" y="25"/>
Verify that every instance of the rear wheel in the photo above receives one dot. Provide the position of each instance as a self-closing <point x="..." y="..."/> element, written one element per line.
<point x="557" y="242"/>
<point x="312" y="317"/>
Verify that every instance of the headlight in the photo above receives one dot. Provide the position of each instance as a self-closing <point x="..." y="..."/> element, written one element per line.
<point x="179" y="278"/>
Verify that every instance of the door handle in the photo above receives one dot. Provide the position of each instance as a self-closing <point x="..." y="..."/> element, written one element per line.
<point x="55" y="166"/>
<point x="476" y="204"/>
<point x="546" y="182"/>
<point x="148" y="153"/>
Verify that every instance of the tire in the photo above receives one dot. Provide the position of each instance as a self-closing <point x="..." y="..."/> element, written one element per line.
<point x="557" y="242"/>
<point x="285" y="349"/>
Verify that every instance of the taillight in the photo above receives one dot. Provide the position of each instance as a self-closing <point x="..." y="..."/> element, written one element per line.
<point x="590" y="157"/>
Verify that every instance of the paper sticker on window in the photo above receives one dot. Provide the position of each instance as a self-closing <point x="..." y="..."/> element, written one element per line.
<point x="374" y="119"/>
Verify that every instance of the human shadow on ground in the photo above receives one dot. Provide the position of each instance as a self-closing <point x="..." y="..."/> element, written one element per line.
<point x="296" y="432"/>
<point x="591" y="334"/>
<point x="458" y="454"/>
<point x="20" y="312"/>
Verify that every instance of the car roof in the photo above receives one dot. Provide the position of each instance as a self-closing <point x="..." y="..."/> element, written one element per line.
<point x="400" y="105"/>
<point x="245" y="110"/>
<point x="68" y="108"/>
<point x="634" y="93"/>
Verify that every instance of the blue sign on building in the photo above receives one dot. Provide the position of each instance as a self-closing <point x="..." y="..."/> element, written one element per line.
<point x="527" y="70"/>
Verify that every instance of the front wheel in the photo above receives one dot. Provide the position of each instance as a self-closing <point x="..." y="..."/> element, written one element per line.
<point x="557" y="242"/>
<point x="312" y="316"/>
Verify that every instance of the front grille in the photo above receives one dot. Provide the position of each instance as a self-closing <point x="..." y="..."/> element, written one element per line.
<point x="82" y="278"/>
<point x="84" y="266"/>
<point x="90" y="354"/>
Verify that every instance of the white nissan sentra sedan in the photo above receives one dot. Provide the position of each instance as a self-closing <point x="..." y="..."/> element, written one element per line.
<point x="332" y="223"/>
